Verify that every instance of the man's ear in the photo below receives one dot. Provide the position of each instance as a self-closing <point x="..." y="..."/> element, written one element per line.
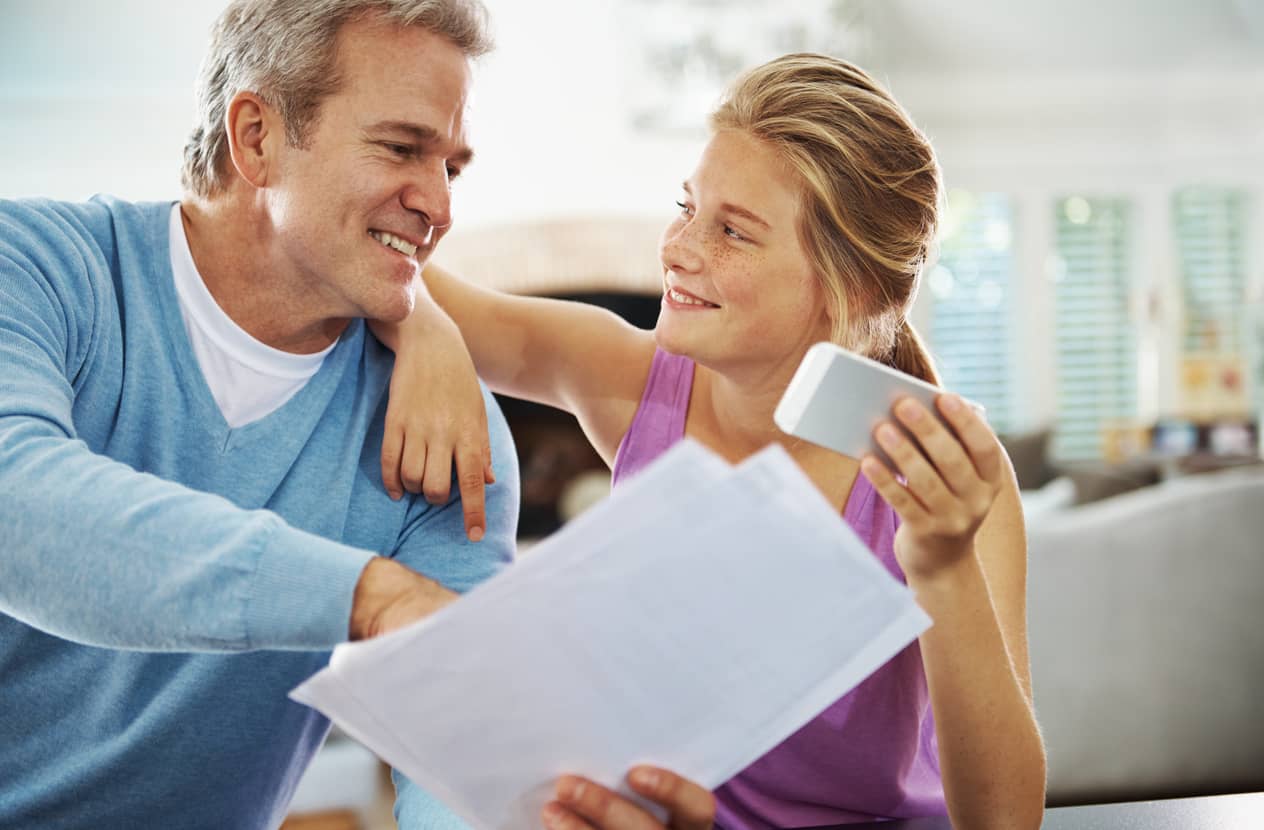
<point x="253" y="129"/>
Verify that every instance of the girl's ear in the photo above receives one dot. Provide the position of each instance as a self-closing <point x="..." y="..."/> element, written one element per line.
<point x="829" y="309"/>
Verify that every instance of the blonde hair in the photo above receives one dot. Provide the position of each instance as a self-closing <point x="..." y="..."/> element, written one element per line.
<point x="286" y="52"/>
<point x="870" y="193"/>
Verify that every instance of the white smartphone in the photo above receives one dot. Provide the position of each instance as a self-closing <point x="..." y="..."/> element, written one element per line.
<point x="837" y="398"/>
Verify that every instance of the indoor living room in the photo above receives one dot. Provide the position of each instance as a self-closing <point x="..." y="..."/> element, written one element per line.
<point x="1098" y="287"/>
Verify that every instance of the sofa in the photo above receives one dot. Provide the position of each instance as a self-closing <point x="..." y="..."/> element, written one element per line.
<point x="1146" y="628"/>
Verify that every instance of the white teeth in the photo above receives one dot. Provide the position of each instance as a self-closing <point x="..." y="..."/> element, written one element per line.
<point x="392" y="241"/>
<point x="684" y="298"/>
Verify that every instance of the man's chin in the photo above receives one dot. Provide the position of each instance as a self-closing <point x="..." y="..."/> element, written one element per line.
<point x="392" y="310"/>
<point x="393" y="315"/>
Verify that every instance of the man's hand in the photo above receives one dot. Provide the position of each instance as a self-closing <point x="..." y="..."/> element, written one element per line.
<point x="581" y="804"/>
<point x="390" y="596"/>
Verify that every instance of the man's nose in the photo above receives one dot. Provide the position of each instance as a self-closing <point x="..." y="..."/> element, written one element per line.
<point x="429" y="194"/>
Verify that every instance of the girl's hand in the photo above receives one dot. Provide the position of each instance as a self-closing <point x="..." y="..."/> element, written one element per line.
<point x="581" y="804"/>
<point x="950" y="481"/>
<point x="436" y="414"/>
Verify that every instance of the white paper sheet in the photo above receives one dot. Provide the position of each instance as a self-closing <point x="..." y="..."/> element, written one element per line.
<point x="694" y="620"/>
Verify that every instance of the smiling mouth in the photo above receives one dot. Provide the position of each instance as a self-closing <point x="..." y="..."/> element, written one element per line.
<point x="393" y="242"/>
<point x="688" y="299"/>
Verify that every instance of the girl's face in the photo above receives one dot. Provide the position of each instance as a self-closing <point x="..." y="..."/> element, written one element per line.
<point x="738" y="290"/>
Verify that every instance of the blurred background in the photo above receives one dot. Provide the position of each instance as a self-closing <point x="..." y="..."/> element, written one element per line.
<point x="1100" y="283"/>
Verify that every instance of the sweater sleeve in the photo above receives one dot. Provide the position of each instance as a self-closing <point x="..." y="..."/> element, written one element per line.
<point x="94" y="551"/>
<point x="434" y="543"/>
<point x="416" y="809"/>
<point x="433" y="540"/>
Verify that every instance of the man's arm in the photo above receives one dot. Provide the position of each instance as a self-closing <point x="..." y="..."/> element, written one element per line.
<point x="94" y="551"/>
<point x="433" y="539"/>
<point x="435" y="544"/>
<point x="416" y="809"/>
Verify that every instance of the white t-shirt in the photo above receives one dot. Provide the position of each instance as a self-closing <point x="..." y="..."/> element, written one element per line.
<point x="247" y="378"/>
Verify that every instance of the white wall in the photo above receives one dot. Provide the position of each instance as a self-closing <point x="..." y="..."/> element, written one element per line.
<point x="98" y="97"/>
<point x="1140" y="136"/>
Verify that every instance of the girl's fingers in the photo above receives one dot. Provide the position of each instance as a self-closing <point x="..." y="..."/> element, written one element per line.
<point x="691" y="805"/>
<point x="436" y="481"/>
<point x="922" y="479"/>
<point x="489" y="475"/>
<point x="470" y="475"/>
<point x="944" y="451"/>
<point x="599" y="807"/>
<point x="412" y="463"/>
<point x="392" y="450"/>
<point x="978" y="439"/>
<point x="557" y="817"/>
<point x="910" y="510"/>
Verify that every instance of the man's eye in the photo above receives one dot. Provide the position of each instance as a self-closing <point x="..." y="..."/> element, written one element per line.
<point x="402" y="150"/>
<point x="453" y="173"/>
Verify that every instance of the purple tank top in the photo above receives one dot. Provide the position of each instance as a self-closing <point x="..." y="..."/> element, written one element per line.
<point x="872" y="754"/>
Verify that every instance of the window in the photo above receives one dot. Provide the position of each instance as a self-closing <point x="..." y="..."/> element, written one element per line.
<point x="1095" y="335"/>
<point x="970" y="323"/>
<point x="1210" y="229"/>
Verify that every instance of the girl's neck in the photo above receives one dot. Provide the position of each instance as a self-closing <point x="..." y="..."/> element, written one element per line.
<point x="736" y="415"/>
<point x="735" y="420"/>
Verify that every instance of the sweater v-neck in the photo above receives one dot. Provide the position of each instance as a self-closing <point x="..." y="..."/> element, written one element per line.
<point x="288" y="422"/>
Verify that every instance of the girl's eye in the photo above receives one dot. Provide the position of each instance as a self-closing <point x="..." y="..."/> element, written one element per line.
<point x="685" y="210"/>
<point x="733" y="234"/>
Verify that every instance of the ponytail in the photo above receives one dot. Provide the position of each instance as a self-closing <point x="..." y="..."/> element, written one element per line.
<point x="911" y="356"/>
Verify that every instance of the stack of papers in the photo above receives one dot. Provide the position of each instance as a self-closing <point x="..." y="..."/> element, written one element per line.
<point x="692" y="621"/>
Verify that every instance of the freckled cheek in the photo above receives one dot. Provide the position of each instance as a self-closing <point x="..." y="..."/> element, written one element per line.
<point x="737" y="276"/>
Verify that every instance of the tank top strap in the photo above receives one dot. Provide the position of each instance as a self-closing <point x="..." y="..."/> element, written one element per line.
<point x="660" y="417"/>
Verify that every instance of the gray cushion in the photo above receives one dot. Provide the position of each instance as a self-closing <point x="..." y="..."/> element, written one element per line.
<point x="1147" y="640"/>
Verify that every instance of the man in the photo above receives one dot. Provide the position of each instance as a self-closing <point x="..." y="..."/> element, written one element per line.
<point x="191" y="416"/>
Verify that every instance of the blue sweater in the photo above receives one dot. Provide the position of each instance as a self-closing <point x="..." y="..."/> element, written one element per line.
<point x="166" y="580"/>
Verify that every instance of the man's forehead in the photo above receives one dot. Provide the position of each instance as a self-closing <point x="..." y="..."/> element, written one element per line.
<point x="406" y="81"/>
<point x="410" y="60"/>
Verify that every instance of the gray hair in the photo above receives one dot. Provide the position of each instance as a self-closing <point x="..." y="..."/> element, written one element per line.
<point x="286" y="52"/>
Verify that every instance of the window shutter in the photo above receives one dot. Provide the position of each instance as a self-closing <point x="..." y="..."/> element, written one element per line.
<point x="1096" y="337"/>
<point x="970" y="291"/>
<point x="1210" y="228"/>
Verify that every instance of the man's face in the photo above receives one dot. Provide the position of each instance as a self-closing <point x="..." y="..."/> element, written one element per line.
<point x="359" y="209"/>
